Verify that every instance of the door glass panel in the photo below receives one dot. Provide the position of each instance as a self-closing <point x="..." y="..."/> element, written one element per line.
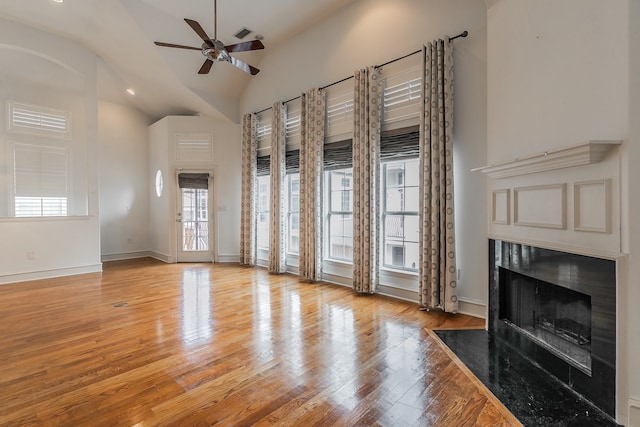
<point x="195" y="219"/>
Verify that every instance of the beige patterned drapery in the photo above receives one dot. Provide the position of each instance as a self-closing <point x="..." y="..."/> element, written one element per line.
<point x="437" y="275"/>
<point x="311" y="152"/>
<point x="277" y="224"/>
<point x="367" y="110"/>
<point x="248" y="195"/>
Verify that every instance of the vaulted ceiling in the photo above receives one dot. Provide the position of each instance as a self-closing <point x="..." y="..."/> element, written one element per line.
<point x="166" y="80"/>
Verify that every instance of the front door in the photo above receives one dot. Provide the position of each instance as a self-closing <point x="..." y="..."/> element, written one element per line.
<point x="193" y="217"/>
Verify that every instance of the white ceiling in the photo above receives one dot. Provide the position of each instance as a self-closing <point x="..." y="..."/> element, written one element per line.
<point x="122" y="33"/>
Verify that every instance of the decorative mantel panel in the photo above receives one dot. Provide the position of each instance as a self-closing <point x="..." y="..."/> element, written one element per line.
<point x="567" y="198"/>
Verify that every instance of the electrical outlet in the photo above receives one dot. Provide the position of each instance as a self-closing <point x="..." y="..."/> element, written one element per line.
<point x="31" y="255"/>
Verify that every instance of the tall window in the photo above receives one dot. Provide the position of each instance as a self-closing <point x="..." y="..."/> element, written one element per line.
<point x="400" y="217"/>
<point x="40" y="180"/>
<point x="293" y="214"/>
<point x="339" y="185"/>
<point x="262" y="232"/>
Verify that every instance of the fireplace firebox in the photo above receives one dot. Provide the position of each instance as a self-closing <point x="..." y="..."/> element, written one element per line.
<point x="557" y="318"/>
<point x="559" y="310"/>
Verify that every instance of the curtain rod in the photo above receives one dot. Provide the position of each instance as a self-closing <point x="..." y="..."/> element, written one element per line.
<point x="463" y="34"/>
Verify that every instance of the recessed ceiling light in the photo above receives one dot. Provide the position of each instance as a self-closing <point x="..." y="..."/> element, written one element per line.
<point x="58" y="1"/>
<point x="131" y="91"/>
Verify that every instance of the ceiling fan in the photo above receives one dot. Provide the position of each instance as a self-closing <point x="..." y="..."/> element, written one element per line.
<point x="214" y="50"/>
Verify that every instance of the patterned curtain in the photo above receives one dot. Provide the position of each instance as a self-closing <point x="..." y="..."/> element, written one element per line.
<point x="277" y="225"/>
<point x="311" y="150"/>
<point x="249" y="190"/>
<point x="437" y="240"/>
<point x="367" y="104"/>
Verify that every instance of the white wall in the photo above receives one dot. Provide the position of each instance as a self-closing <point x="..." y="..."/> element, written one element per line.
<point x="124" y="181"/>
<point x="631" y="295"/>
<point x="66" y="245"/>
<point x="558" y="75"/>
<point x="370" y="32"/>
<point x="226" y="168"/>
<point x="161" y="214"/>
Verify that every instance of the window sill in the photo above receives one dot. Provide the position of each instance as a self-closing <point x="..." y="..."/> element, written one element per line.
<point x="338" y="262"/>
<point x="398" y="272"/>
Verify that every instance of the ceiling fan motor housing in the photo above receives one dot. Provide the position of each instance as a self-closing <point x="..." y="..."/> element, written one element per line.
<point x="215" y="51"/>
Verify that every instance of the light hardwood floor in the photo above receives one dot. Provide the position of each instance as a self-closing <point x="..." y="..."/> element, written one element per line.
<point x="203" y="344"/>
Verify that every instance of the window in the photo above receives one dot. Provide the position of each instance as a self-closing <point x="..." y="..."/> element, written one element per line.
<point x="38" y="120"/>
<point x="293" y="213"/>
<point x="339" y="185"/>
<point x="194" y="148"/>
<point x="400" y="217"/>
<point x="262" y="232"/>
<point x="40" y="180"/>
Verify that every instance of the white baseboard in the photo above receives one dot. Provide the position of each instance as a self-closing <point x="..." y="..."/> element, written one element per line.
<point x="398" y="293"/>
<point x="50" y="274"/>
<point x="633" y="412"/>
<point x="229" y="258"/>
<point x="124" y="256"/>
<point x="472" y="308"/>
<point x="162" y="257"/>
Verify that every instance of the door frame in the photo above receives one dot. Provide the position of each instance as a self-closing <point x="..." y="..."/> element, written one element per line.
<point x="213" y="216"/>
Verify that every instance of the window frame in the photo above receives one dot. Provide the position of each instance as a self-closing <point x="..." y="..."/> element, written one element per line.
<point x="291" y="211"/>
<point x="260" y="211"/>
<point x="329" y="213"/>
<point x="42" y="150"/>
<point x="384" y="212"/>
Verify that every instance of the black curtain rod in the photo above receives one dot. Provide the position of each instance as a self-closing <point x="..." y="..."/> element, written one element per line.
<point x="463" y="34"/>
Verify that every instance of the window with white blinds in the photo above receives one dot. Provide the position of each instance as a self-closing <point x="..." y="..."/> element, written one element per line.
<point x="402" y="85"/>
<point x="38" y="120"/>
<point x="293" y="125"/>
<point x="40" y="180"/>
<point x="265" y="121"/>
<point x="339" y="120"/>
<point x="194" y="148"/>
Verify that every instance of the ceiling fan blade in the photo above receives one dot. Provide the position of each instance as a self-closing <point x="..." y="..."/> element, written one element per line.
<point x="244" y="46"/>
<point x="176" y="45"/>
<point x="244" y="66"/>
<point x="206" y="67"/>
<point x="198" y="29"/>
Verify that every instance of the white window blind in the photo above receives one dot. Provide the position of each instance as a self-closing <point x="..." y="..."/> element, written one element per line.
<point x="40" y="179"/>
<point x="264" y="133"/>
<point x="25" y="118"/>
<point x="402" y="85"/>
<point x="194" y="148"/>
<point x="293" y="125"/>
<point x="339" y="112"/>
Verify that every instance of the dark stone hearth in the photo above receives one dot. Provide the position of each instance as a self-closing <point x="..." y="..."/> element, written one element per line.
<point x="521" y="279"/>
<point x="531" y="394"/>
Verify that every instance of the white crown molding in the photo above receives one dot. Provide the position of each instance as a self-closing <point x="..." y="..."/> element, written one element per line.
<point x="585" y="153"/>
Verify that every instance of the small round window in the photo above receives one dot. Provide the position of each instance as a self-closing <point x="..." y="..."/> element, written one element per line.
<point x="159" y="183"/>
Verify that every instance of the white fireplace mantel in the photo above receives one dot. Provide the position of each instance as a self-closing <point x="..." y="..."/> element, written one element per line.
<point x="585" y="153"/>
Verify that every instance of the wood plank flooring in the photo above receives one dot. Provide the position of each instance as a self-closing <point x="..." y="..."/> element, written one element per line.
<point x="221" y="344"/>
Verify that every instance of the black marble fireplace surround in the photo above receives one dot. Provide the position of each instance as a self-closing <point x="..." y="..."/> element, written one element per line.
<point x="522" y="276"/>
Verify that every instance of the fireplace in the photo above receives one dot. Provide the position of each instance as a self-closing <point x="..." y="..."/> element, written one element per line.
<point x="559" y="310"/>
<point x="557" y="318"/>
